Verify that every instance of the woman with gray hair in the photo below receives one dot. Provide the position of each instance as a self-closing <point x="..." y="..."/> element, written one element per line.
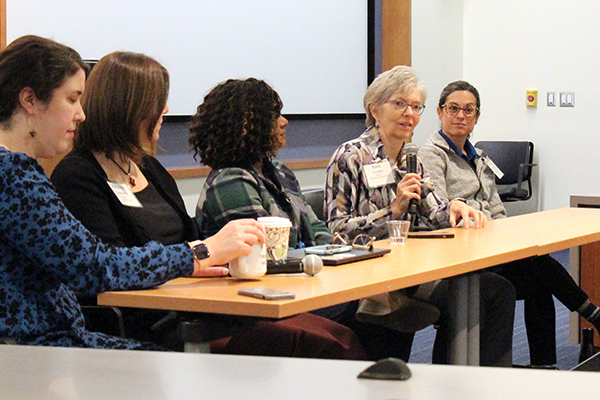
<point x="393" y="104"/>
<point x="354" y="204"/>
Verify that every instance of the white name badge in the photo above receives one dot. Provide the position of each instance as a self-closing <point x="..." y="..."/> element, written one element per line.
<point x="494" y="168"/>
<point x="379" y="174"/>
<point x="124" y="194"/>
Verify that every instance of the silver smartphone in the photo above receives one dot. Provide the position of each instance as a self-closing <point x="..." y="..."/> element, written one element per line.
<point x="266" y="293"/>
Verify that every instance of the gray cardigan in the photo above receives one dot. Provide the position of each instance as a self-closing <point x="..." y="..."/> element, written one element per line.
<point x="453" y="177"/>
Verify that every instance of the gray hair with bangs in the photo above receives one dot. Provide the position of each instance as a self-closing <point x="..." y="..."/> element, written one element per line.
<point x="401" y="79"/>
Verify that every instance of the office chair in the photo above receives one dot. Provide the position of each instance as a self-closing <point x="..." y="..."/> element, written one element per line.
<point x="104" y="319"/>
<point x="315" y="199"/>
<point x="515" y="160"/>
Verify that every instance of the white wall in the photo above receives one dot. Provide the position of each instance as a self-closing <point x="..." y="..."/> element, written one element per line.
<point x="437" y="55"/>
<point x="550" y="45"/>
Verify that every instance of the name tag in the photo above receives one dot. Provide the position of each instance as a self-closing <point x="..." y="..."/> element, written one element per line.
<point x="124" y="194"/>
<point x="379" y="174"/>
<point x="494" y="168"/>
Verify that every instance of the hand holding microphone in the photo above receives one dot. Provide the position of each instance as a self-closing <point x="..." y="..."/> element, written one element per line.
<point x="410" y="150"/>
<point x="310" y="264"/>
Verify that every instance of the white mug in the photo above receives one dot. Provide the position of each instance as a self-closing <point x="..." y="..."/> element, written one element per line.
<point x="254" y="265"/>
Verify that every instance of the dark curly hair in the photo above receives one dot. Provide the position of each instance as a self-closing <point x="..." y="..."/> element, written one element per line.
<point x="233" y="127"/>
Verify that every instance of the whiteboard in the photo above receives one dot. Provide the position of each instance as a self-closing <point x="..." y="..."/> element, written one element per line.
<point x="313" y="52"/>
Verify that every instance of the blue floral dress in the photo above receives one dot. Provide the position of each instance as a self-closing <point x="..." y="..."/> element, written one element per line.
<point x="46" y="254"/>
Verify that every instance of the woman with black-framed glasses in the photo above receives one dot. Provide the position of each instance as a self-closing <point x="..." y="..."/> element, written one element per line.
<point x="458" y="169"/>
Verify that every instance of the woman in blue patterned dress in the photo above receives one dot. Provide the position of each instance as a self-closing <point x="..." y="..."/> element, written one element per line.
<point x="45" y="253"/>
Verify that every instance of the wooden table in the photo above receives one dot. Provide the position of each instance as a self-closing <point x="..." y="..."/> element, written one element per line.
<point x="30" y="372"/>
<point x="415" y="262"/>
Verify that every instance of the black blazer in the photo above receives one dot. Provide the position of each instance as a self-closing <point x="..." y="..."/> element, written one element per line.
<point x="81" y="183"/>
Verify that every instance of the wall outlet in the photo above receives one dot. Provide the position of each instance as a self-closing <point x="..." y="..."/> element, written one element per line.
<point x="567" y="99"/>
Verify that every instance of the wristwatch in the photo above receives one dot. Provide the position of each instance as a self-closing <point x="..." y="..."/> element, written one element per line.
<point x="200" y="251"/>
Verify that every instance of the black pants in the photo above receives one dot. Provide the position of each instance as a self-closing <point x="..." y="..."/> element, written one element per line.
<point x="536" y="280"/>
<point x="378" y="341"/>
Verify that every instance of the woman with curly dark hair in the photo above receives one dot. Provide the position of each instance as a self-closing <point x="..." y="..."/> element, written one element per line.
<point x="247" y="117"/>
<point x="237" y="131"/>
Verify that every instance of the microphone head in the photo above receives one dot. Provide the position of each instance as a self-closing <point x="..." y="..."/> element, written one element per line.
<point x="312" y="264"/>
<point x="410" y="149"/>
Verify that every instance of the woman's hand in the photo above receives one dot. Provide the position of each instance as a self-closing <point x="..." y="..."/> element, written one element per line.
<point x="460" y="210"/>
<point x="210" y="272"/>
<point x="233" y="240"/>
<point x="409" y="188"/>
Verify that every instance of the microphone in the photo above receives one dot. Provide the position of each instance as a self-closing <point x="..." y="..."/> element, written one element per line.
<point x="311" y="265"/>
<point x="410" y="150"/>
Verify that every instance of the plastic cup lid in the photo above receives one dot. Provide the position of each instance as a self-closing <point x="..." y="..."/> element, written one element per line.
<point x="275" y="221"/>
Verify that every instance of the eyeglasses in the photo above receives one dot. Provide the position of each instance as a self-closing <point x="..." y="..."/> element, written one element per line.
<point x="360" y="242"/>
<point x="402" y="106"/>
<point x="469" y="110"/>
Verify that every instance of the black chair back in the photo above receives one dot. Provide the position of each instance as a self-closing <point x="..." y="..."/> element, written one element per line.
<point x="515" y="160"/>
<point x="315" y="199"/>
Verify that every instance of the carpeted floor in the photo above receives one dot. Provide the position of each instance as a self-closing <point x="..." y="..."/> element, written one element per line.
<point x="567" y="353"/>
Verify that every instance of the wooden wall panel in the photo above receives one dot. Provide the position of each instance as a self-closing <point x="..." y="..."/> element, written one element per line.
<point x="590" y="278"/>
<point x="396" y="33"/>
<point x="2" y="24"/>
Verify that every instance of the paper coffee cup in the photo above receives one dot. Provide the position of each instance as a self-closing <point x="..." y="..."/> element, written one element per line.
<point x="251" y="266"/>
<point x="277" y="236"/>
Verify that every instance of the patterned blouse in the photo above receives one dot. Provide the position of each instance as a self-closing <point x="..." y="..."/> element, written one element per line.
<point x="234" y="193"/>
<point x="353" y="207"/>
<point x="46" y="254"/>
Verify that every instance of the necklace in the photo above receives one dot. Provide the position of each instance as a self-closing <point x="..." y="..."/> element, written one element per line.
<point x="128" y="172"/>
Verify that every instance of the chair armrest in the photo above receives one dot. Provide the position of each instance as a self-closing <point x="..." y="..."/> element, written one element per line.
<point x="522" y="173"/>
<point x="105" y="319"/>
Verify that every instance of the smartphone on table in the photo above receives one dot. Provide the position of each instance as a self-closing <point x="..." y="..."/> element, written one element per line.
<point x="266" y="293"/>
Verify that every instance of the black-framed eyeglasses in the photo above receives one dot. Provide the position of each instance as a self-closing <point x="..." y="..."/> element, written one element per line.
<point x="360" y="242"/>
<point x="469" y="110"/>
<point x="402" y="106"/>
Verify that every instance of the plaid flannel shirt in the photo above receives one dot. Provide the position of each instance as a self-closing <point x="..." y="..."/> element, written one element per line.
<point x="234" y="193"/>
